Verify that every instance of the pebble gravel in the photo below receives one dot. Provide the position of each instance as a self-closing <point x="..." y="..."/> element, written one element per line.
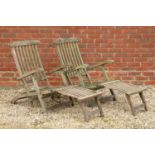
<point x="117" y="114"/>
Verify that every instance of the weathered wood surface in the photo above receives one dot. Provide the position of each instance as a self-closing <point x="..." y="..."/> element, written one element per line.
<point x="24" y="43"/>
<point x="31" y="72"/>
<point x="69" y="54"/>
<point x="77" y="92"/>
<point x="81" y="95"/>
<point x="66" y="40"/>
<point x="30" y="69"/>
<point x="124" y="87"/>
<point x="27" y="59"/>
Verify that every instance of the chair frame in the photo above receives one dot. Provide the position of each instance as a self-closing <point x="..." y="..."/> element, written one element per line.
<point x="31" y="71"/>
<point x="72" y="65"/>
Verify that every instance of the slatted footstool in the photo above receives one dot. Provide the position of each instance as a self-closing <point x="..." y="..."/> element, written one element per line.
<point x="129" y="90"/>
<point x="81" y="94"/>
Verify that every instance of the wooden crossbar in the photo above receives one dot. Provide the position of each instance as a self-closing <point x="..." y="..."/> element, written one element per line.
<point x="24" y="43"/>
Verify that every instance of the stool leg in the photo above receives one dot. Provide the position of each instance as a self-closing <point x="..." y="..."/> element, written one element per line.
<point x="143" y="100"/>
<point x="86" y="117"/>
<point x="130" y="104"/>
<point x="113" y="94"/>
<point x="99" y="106"/>
<point x="72" y="101"/>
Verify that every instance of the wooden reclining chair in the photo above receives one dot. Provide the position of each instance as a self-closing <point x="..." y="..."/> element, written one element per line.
<point x="30" y="70"/>
<point x="73" y="65"/>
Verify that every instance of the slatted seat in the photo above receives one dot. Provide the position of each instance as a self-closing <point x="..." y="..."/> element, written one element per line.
<point x="78" y="93"/>
<point x="73" y="66"/>
<point x="129" y="89"/>
<point x="82" y="94"/>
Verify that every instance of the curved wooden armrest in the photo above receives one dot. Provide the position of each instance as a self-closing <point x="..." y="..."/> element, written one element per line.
<point x="59" y="69"/>
<point x="72" y="69"/>
<point x="30" y="73"/>
<point x="100" y="64"/>
<point x="81" y="67"/>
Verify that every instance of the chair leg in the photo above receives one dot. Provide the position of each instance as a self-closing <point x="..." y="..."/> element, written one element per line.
<point x="72" y="101"/>
<point x="33" y="100"/>
<point x="36" y="87"/>
<point x="30" y="100"/>
<point x="99" y="106"/>
<point x="86" y="116"/>
<point x="130" y="104"/>
<point x="42" y="103"/>
<point x="113" y="94"/>
<point x="143" y="100"/>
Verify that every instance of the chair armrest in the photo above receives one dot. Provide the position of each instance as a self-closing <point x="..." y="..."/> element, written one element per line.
<point x="59" y="69"/>
<point x="100" y="64"/>
<point x="84" y="66"/>
<point x="29" y="73"/>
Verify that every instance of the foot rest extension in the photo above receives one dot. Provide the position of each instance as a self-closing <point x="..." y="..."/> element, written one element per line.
<point x="128" y="89"/>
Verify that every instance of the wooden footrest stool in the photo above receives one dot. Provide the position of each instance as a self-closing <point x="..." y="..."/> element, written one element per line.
<point x="82" y="94"/>
<point x="128" y="89"/>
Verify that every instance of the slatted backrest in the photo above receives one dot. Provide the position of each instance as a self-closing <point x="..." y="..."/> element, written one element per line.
<point x="69" y="54"/>
<point x="68" y="51"/>
<point x="27" y="59"/>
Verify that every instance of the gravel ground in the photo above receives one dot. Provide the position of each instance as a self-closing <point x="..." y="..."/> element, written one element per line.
<point x="117" y="114"/>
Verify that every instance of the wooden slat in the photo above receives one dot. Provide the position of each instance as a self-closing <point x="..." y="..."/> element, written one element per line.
<point x="16" y="56"/>
<point x="73" y="55"/>
<point x="67" y="45"/>
<point x="78" y="92"/>
<point x="37" y="61"/>
<point x="66" y="54"/>
<point x="124" y="87"/>
<point x="18" y="64"/>
<point x="43" y="75"/>
<point x="66" y="40"/>
<point x="24" y="43"/>
<point x="61" y="50"/>
<point x="31" y="57"/>
<point x="60" y="55"/>
<point x="78" y="58"/>
<point x="69" y="54"/>
<point x="76" y="54"/>
<point x="23" y="57"/>
<point x="27" y="58"/>
<point x="20" y="60"/>
<point x="24" y="54"/>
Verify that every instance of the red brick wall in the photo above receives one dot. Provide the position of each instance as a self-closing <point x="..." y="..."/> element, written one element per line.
<point x="132" y="48"/>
